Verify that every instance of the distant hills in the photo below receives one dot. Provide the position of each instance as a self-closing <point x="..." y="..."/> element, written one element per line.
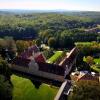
<point x="91" y="14"/>
<point x="42" y="11"/>
<point x="28" y="11"/>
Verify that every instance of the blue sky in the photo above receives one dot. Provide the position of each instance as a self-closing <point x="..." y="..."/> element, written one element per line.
<point x="89" y="5"/>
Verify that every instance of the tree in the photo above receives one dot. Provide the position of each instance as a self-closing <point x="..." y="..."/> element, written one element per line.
<point x="7" y="48"/>
<point x="38" y="42"/>
<point x="66" y="39"/>
<point x="5" y="89"/>
<point x="21" y="45"/>
<point x="4" y="68"/>
<point x="88" y="48"/>
<point x="3" y="43"/>
<point x="52" y="42"/>
<point x="11" y="45"/>
<point x="89" y="60"/>
<point x="46" y="34"/>
<point x="48" y="53"/>
<point x="98" y="39"/>
<point x="85" y="90"/>
<point x="83" y="66"/>
<point x="5" y="83"/>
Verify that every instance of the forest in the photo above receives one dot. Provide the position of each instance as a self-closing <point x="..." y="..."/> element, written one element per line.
<point x="62" y="28"/>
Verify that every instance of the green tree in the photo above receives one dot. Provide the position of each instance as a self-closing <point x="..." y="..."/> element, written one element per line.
<point x="38" y="42"/>
<point x="48" y="53"/>
<point x="90" y="60"/>
<point x="4" y="68"/>
<point x="5" y="89"/>
<point x="5" y="83"/>
<point x="46" y="34"/>
<point x="52" y="42"/>
<point x="66" y="39"/>
<point x="11" y="45"/>
<point x="98" y="39"/>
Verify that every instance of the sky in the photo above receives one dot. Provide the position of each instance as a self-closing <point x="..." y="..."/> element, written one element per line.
<point x="82" y="5"/>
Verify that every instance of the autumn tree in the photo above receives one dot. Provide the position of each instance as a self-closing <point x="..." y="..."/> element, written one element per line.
<point x="90" y="60"/>
<point x="3" y="43"/>
<point x="86" y="90"/>
<point x="21" y="45"/>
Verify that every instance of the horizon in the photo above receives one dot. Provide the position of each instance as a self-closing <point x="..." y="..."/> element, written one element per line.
<point x="64" y="5"/>
<point x="1" y="9"/>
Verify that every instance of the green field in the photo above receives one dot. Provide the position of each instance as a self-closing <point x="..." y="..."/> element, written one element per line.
<point x="96" y="68"/>
<point x="97" y="61"/>
<point x="83" y="43"/>
<point x="55" y="57"/>
<point x="25" y="90"/>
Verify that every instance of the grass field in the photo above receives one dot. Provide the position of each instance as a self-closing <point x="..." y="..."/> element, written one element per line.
<point x="97" y="61"/>
<point x="55" y="57"/>
<point x="83" y="43"/>
<point x="96" y="67"/>
<point x="25" y="90"/>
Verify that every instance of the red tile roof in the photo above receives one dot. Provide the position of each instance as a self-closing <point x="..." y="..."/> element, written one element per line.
<point x="29" y="52"/>
<point x="40" y="58"/>
<point x="21" y="61"/>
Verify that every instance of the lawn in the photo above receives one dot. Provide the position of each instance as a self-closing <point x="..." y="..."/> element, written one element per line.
<point x="96" y="68"/>
<point x="55" y="57"/>
<point x="25" y="90"/>
<point x="97" y="61"/>
<point x="83" y="43"/>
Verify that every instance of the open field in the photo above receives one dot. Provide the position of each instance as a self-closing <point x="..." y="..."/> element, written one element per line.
<point x="25" y="90"/>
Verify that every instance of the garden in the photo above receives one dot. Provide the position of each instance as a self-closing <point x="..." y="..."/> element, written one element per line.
<point x="55" y="57"/>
